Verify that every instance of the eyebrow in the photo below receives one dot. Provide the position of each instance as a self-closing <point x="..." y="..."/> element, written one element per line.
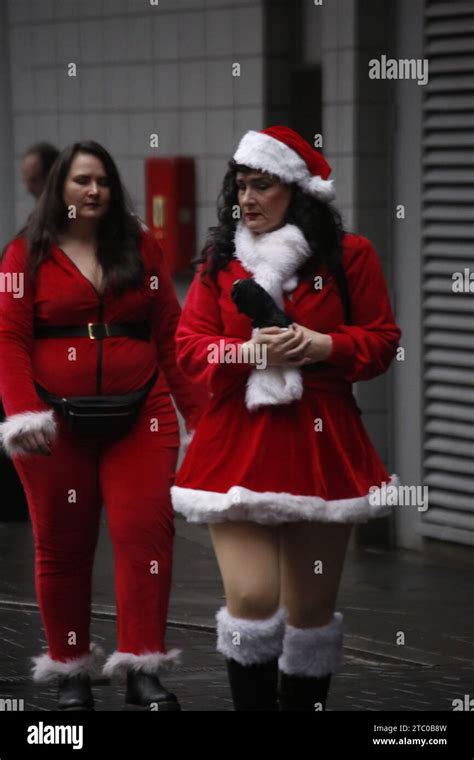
<point x="255" y="179"/>
<point x="79" y="175"/>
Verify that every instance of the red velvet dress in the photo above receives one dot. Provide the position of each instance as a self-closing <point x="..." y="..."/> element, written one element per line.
<point x="310" y="459"/>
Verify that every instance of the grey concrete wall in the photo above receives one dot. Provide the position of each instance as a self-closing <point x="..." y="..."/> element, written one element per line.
<point x="140" y="69"/>
<point x="408" y="385"/>
<point x="374" y="202"/>
<point x="7" y="186"/>
<point x="358" y="135"/>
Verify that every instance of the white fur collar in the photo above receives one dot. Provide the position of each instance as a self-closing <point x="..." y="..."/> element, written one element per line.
<point x="272" y="257"/>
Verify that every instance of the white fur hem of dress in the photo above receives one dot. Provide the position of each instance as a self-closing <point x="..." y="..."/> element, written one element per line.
<point x="269" y="508"/>
<point x="119" y="663"/>
<point x="47" y="669"/>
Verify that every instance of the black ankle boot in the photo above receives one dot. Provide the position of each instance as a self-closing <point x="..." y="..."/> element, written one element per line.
<point x="145" y="692"/>
<point x="253" y="687"/>
<point x="306" y="693"/>
<point x="75" y="693"/>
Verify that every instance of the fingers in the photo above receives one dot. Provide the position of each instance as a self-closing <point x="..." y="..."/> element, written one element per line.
<point x="287" y="347"/>
<point x="271" y="334"/>
<point x="27" y="442"/>
<point x="297" y="343"/>
<point x="290" y="339"/>
<point x="42" y="444"/>
<point x="299" y="351"/>
<point x="272" y="330"/>
<point x="34" y="443"/>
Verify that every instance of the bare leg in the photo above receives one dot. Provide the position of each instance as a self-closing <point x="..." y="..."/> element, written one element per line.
<point x="248" y="559"/>
<point x="250" y="629"/>
<point x="312" y="558"/>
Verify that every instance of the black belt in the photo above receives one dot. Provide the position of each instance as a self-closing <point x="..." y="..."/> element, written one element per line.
<point x="95" y="331"/>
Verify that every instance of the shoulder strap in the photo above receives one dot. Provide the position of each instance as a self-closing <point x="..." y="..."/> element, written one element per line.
<point x="341" y="281"/>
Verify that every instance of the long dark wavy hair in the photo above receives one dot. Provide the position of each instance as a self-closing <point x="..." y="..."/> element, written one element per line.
<point x="118" y="233"/>
<point x="320" y="223"/>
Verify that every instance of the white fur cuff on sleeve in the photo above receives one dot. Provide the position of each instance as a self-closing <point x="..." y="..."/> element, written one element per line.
<point x="184" y="442"/>
<point x="26" y="422"/>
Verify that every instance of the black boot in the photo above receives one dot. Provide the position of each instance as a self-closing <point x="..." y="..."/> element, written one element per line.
<point x="306" y="693"/>
<point x="253" y="687"/>
<point x="145" y="692"/>
<point x="75" y="693"/>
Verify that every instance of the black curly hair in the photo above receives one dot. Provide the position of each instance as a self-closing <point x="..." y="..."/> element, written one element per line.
<point x="320" y="223"/>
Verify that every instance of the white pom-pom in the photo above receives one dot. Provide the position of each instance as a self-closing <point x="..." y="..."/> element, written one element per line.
<point x="320" y="188"/>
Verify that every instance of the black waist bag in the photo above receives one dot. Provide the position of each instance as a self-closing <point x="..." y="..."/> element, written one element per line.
<point x="99" y="415"/>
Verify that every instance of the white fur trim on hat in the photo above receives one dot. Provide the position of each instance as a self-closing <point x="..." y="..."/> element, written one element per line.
<point x="26" y="422"/>
<point x="250" y="641"/>
<point x="320" y="188"/>
<point x="265" y="153"/>
<point x="46" y="669"/>
<point x="313" y="651"/>
<point x="119" y="663"/>
<point x="270" y="508"/>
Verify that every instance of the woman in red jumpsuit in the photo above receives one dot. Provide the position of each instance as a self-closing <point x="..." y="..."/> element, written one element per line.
<point x="281" y="466"/>
<point x="84" y="261"/>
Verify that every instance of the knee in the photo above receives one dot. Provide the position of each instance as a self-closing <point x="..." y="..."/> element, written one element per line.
<point x="253" y="603"/>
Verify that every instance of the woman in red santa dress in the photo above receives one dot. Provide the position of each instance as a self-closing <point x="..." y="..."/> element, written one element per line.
<point x="280" y="465"/>
<point x="95" y="316"/>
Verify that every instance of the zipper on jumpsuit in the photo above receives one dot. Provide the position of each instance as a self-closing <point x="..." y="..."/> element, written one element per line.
<point x="100" y="348"/>
<point x="100" y="296"/>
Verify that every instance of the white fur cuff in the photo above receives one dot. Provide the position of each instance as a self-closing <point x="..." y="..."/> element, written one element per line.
<point x="185" y="440"/>
<point x="313" y="651"/>
<point x="27" y="422"/>
<point x="47" y="669"/>
<point x="119" y="663"/>
<point x="250" y="641"/>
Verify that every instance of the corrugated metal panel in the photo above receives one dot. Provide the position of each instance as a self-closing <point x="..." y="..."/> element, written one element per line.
<point x="448" y="248"/>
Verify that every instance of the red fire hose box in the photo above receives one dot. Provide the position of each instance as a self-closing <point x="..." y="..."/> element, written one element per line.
<point x="171" y="208"/>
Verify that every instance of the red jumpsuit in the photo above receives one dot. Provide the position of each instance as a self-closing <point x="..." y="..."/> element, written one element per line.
<point x="131" y="475"/>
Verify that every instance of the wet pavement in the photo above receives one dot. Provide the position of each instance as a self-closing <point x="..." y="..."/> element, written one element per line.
<point x="383" y="594"/>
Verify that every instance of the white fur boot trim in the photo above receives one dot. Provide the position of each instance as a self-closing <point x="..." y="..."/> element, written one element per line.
<point x="47" y="669"/>
<point x="313" y="651"/>
<point x="250" y="641"/>
<point x="27" y="422"/>
<point x="119" y="663"/>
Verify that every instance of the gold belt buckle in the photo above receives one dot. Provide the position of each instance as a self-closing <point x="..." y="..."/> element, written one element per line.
<point x="90" y="329"/>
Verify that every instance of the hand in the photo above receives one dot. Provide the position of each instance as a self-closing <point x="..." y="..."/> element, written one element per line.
<point x="314" y="346"/>
<point x="282" y="347"/>
<point x="320" y="346"/>
<point x="33" y="443"/>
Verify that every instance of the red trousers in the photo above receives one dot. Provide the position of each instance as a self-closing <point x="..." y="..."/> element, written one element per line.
<point x="132" y="476"/>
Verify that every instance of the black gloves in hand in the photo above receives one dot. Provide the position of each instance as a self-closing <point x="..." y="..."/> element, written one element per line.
<point x="254" y="301"/>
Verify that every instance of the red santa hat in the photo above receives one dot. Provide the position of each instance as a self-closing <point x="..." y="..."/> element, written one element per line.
<point x="283" y="152"/>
